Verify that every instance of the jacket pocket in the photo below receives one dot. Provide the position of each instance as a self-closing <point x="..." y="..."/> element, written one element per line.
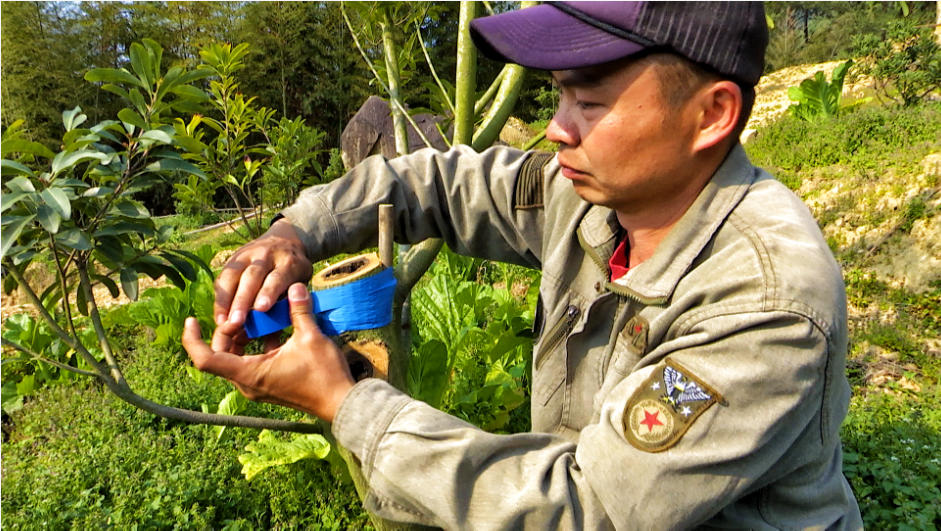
<point x="560" y="331"/>
<point x="548" y="382"/>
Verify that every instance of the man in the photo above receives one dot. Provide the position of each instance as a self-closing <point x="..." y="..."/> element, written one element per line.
<point x="690" y="368"/>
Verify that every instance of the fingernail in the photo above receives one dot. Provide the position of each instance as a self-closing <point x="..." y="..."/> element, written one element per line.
<point x="297" y="292"/>
<point x="237" y="317"/>
<point x="262" y="304"/>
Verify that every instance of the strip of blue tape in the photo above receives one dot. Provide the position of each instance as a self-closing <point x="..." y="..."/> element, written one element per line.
<point x="359" y="305"/>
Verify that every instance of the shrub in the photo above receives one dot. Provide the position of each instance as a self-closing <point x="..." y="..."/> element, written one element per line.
<point x="905" y="62"/>
<point x="891" y="459"/>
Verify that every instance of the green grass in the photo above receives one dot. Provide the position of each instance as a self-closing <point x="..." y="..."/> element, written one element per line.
<point x="79" y="458"/>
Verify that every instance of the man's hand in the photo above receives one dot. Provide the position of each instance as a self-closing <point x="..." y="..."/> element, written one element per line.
<point x="258" y="273"/>
<point x="307" y="373"/>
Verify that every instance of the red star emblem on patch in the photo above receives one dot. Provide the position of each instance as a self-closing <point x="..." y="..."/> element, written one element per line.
<point x="638" y="329"/>
<point x="651" y="420"/>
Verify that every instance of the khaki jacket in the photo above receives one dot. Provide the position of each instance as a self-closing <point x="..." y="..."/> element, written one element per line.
<point x="704" y="389"/>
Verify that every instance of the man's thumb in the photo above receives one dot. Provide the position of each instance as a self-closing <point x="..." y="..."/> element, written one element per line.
<point x="300" y="301"/>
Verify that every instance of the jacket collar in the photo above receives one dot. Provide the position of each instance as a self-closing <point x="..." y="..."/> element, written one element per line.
<point x="653" y="281"/>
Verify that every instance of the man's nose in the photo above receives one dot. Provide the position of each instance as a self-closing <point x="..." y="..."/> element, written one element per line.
<point x="561" y="130"/>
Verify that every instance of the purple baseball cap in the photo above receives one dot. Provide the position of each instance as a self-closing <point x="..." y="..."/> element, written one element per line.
<point x="728" y="37"/>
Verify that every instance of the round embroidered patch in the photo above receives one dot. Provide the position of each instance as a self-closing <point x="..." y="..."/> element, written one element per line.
<point x="651" y="422"/>
<point x="664" y="406"/>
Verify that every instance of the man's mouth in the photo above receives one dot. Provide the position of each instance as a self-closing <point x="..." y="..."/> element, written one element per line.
<point x="570" y="172"/>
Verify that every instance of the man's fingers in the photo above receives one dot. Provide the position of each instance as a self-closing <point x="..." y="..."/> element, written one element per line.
<point x="275" y="284"/>
<point x="226" y="285"/>
<point x="301" y="315"/>
<point x="204" y="358"/>
<point x="251" y="281"/>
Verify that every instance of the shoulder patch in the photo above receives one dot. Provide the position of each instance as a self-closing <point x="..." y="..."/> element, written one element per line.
<point x="665" y="406"/>
<point x="529" y="182"/>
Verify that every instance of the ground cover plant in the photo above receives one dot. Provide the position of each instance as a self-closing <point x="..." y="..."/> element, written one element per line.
<point x="76" y="457"/>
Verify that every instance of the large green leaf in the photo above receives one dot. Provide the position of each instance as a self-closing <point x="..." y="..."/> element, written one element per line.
<point x="143" y="64"/>
<point x="11" y="167"/>
<point x="131" y="117"/>
<point x="57" y="200"/>
<point x="19" y="145"/>
<point x="428" y="374"/>
<point x="112" y="75"/>
<point x="124" y="227"/>
<point x="232" y="404"/>
<point x="157" y="136"/>
<point x="130" y="209"/>
<point x="65" y="160"/>
<point x="191" y="92"/>
<point x="8" y="200"/>
<point x="129" y="283"/>
<point x="270" y="451"/>
<point x="11" y="232"/>
<point x="167" y="164"/>
<point x="74" y="238"/>
<point x="48" y="218"/>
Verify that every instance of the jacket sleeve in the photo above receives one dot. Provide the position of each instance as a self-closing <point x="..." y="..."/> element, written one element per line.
<point x="426" y="467"/>
<point x="461" y="196"/>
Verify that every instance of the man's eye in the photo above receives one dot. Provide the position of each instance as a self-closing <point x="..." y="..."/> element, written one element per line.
<point x="585" y="105"/>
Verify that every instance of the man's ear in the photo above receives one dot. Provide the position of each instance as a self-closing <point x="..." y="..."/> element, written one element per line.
<point x="719" y="106"/>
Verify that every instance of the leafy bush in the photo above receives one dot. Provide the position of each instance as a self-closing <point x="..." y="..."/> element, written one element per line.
<point x="892" y="459"/>
<point x="475" y="346"/>
<point x="905" y="62"/>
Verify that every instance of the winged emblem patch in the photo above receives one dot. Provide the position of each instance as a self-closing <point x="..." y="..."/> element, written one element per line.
<point x="665" y="406"/>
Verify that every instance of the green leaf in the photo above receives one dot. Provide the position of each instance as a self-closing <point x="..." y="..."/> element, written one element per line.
<point x="190" y="92"/>
<point x="11" y="167"/>
<point x="167" y="164"/>
<point x="138" y="100"/>
<point x="195" y="374"/>
<point x="114" y="89"/>
<point x="142" y="64"/>
<point x="72" y="119"/>
<point x="18" y="145"/>
<point x="130" y="117"/>
<point x="124" y="227"/>
<point x="112" y="75"/>
<point x="130" y="209"/>
<point x="74" y="238"/>
<point x="180" y="265"/>
<point x="65" y="160"/>
<point x="428" y="372"/>
<point x="48" y="218"/>
<point x="57" y="200"/>
<point x="129" y="283"/>
<point x="98" y="191"/>
<point x="269" y="451"/>
<point x="11" y="232"/>
<point x="20" y="184"/>
<point x="8" y="200"/>
<point x="232" y="404"/>
<point x="157" y="136"/>
<point x="108" y="283"/>
<point x="11" y="400"/>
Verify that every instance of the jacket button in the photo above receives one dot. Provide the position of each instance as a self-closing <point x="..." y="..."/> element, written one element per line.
<point x="598" y="286"/>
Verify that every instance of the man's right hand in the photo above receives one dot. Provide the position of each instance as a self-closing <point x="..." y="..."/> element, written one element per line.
<point x="260" y="272"/>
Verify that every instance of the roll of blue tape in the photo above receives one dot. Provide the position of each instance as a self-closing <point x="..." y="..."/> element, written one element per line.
<point x="359" y="305"/>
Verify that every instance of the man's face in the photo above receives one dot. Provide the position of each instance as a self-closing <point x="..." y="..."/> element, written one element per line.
<point x="620" y="143"/>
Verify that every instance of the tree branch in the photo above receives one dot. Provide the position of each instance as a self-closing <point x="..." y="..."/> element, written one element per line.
<point x="44" y="359"/>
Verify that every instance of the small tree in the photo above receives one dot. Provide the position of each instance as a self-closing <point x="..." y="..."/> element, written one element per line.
<point x="75" y="209"/>
<point x="905" y="64"/>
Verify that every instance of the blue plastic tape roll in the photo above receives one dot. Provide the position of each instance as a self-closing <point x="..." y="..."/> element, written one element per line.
<point x="359" y="305"/>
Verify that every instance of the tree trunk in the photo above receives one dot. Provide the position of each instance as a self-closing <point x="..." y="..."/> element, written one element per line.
<point x="937" y="28"/>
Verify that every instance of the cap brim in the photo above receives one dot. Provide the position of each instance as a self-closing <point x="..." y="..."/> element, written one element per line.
<point x="545" y="38"/>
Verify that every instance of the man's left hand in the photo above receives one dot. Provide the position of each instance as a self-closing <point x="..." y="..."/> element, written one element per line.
<point x="307" y="373"/>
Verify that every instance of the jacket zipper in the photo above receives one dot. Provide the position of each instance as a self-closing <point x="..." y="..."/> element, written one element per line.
<point x="562" y="329"/>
